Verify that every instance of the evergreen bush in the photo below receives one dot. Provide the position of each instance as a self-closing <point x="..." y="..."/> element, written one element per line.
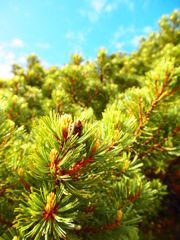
<point x="91" y="150"/>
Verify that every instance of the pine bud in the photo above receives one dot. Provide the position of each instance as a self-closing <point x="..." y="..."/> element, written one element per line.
<point x="119" y="215"/>
<point x="158" y="35"/>
<point x="23" y="106"/>
<point x="33" y="55"/>
<point x="174" y="15"/>
<point x="66" y="121"/>
<point x="11" y="123"/>
<point x="14" y="98"/>
<point x="51" y="202"/>
<point x="78" y="228"/>
<point x="21" y="72"/>
<point x="116" y="116"/>
<point x="53" y="157"/>
<point x="126" y="165"/>
<point x="97" y="143"/>
<point x="78" y="128"/>
<point x="15" y="238"/>
<point x="66" y="127"/>
<point x="20" y="172"/>
<point x="16" y="79"/>
<point x="151" y="35"/>
<point x="116" y="134"/>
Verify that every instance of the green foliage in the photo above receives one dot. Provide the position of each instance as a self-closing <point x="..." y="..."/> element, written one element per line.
<point x="91" y="150"/>
<point x="11" y="155"/>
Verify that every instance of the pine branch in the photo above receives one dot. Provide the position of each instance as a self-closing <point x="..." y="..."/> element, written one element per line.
<point x="155" y="101"/>
<point x="26" y="185"/>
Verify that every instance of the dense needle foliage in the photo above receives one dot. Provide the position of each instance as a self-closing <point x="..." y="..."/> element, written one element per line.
<point x="91" y="150"/>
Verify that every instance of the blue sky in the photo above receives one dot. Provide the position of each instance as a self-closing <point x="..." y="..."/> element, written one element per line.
<point x="55" y="29"/>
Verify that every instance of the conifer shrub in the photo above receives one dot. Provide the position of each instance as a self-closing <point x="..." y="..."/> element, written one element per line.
<point x="91" y="150"/>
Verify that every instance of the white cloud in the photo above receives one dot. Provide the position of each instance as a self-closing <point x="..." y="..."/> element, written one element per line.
<point x="5" y="71"/>
<point x="129" y="4"/>
<point x="70" y="35"/>
<point x="90" y="59"/>
<point x="147" y="29"/>
<point x="22" y="59"/>
<point x="16" y="42"/>
<point x="81" y="37"/>
<point x="98" y="5"/>
<point x="93" y="10"/>
<point x="91" y="14"/>
<point x="119" y="45"/>
<point x="136" y="40"/>
<point x="76" y="37"/>
<point x="43" y="45"/>
<point x="45" y="64"/>
<point x="75" y="41"/>
<point x="3" y="45"/>
<point x="110" y="7"/>
<point x="8" y="57"/>
<point x="121" y="31"/>
<point x="143" y="33"/>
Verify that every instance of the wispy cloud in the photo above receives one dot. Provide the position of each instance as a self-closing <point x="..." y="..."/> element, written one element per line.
<point x="121" y="31"/>
<point x="5" y="71"/>
<point x="111" y="7"/>
<point x="17" y="42"/>
<point x="91" y="14"/>
<point x="76" y="40"/>
<point x="76" y="36"/>
<point x="97" y="5"/>
<point x="121" y="34"/>
<point x="43" y="45"/>
<point x="119" y="45"/>
<point x="147" y="29"/>
<point x="95" y="8"/>
<point x="45" y="64"/>
<point x="70" y="35"/>
<point x="129" y="36"/>
<point x="136" y="40"/>
<point x="10" y="55"/>
<point x="22" y="60"/>
<point x="143" y="33"/>
<point x="6" y="60"/>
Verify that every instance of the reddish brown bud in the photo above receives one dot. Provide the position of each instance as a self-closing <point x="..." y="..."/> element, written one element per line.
<point x="78" y="128"/>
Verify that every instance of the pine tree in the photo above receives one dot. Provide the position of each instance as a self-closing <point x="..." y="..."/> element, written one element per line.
<point x="103" y="164"/>
<point x="79" y="184"/>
